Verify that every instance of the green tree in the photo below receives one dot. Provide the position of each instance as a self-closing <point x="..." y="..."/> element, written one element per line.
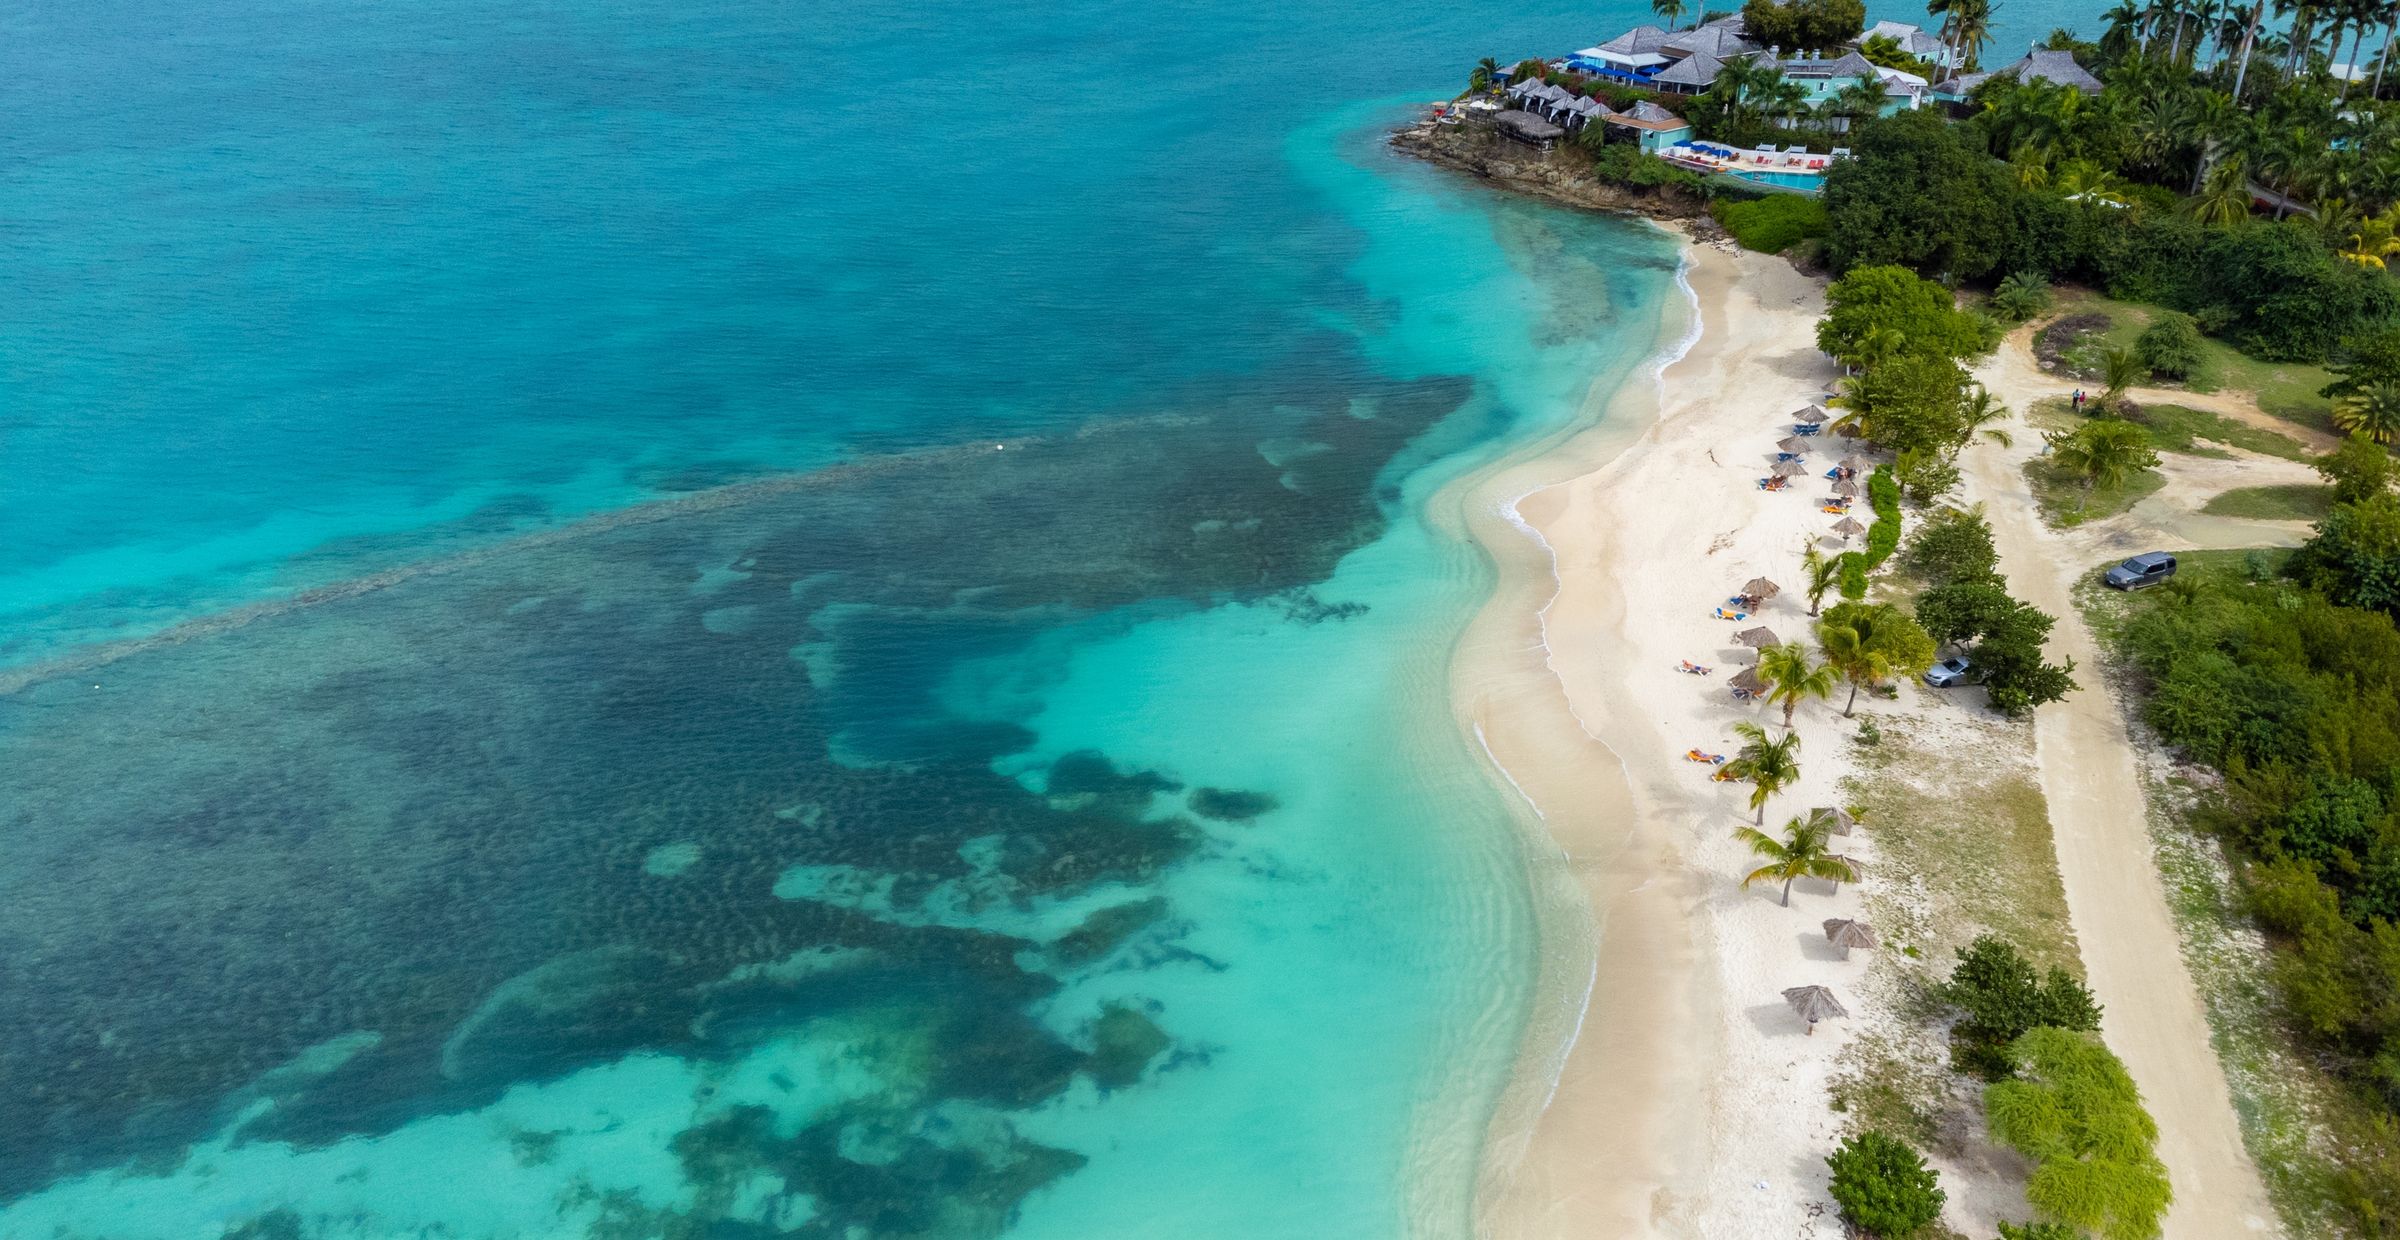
<point x="1911" y="401"/>
<point x="1869" y="643"/>
<point x="1669" y="11"/>
<point x="1978" y="415"/>
<point x="1919" y="195"/>
<point x="2369" y="359"/>
<point x="2372" y="413"/>
<point x="2355" y="556"/>
<point x="1957" y="614"/>
<point x="2074" y="1111"/>
<point x="1952" y="545"/>
<point x="2359" y="469"/>
<point x="1883" y="1186"/>
<point x="1791" y="676"/>
<point x="1801" y="853"/>
<point x="1923" y="315"/>
<point x="1481" y="78"/>
<point x="1769" y="764"/>
<point x="1819" y="574"/>
<point x="2102" y="452"/>
<point x="2170" y="346"/>
<point x="1927" y="474"/>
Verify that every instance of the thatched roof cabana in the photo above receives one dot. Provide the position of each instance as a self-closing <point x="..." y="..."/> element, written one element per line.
<point x="1789" y="469"/>
<point x="1846" y="934"/>
<point x="1758" y="639"/>
<point x="1848" y="526"/>
<point x="1760" y="587"/>
<point x="1846" y="489"/>
<point x="1792" y="443"/>
<point x="1840" y="818"/>
<point x="1526" y="127"/>
<point x="1814" y="1003"/>
<point x="1854" y="464"/>
<point x="1747" y="680"/>
<point x="1811" y="414"/>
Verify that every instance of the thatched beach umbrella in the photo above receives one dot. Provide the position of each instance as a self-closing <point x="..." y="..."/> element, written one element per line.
<point x="1838" y="820"/>
<point x="1854" y="465"/>
<point x="1846" y="934"/>
<point x="1792" y="443"/>
<point x="1846" y="489"/>
<point x="1762" y="588"/>
<point x="1747" y="681"/>
<point x="1814" y="1003"/>
<point x="1812" y="414"/>
<point x="1757" y="639"/>
<point x="1789" y="469"/>
<point x="1847" y="527"/>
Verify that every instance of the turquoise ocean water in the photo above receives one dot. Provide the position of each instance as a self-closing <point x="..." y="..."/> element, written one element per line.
<point x="629" y="619"/>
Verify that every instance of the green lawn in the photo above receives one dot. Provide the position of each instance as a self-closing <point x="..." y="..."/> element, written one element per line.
<point x="2286" y="390"/>
<point x="2174" y="428"/>
<point x="2064" y="504"/>
<point x="2301" y="502"/>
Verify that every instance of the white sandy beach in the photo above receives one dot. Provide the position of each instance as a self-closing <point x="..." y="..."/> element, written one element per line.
<point x="1693" y="1102"/>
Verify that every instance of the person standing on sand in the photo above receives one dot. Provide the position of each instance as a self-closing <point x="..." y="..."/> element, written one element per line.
<point x="2079" y="400"/>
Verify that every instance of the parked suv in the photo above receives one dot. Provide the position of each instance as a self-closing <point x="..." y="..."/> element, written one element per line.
<point x="2142" y="571"/>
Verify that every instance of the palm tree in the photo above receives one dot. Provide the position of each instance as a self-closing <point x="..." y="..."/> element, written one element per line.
<point x="2224" y="198"/>
<point x="1983" y="409"/>
<point x="2120" y="367"/>
<point x="1971" y="24"/>
<point x="1480" y="80"/>
<point x="1770" y="765"/>
<point x="1861" y="646"/>
<point x="1801" y="853"/>
<point x="2373" y="413"/>
<point x="2376" y="238"/>
<point x="1819" y="573"/>
<point x="2105" y="453"/>
<point x="2249" y="41"/>
<point x="1861" y="99"/>
<point x="1668" y="9"/>
<point x="1790" y="677"/>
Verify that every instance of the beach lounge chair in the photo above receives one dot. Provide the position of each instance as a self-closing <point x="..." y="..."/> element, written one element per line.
<point x="1702" y="755"/>
<point x="1743" y="695"/>
<point x="1723" y="614"/>
<point x="1835" y="508"/>
<point x="1806" y="428"/>
<point x="1690" y="668"/>
<point x="1723" y="777"/>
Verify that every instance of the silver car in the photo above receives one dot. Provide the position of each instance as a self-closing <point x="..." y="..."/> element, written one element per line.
<point x="1947" y="673"/>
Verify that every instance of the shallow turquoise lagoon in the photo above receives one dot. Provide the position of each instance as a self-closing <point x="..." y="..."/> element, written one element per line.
<point x="793" y="621"/>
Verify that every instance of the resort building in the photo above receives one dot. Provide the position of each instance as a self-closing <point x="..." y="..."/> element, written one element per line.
<point x="1914" y="40"/>
<point x="1655" y="128"/>
<point x="2040" y="65"/>
<point x="1685" y="61"/>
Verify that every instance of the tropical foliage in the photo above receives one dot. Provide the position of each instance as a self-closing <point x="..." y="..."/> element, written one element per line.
<point x="1791" y="676"/>
<point x="1769" y="763"/>
<point x="1803" y="852"/>
<point x="2072" y="1108"/>
<point x="1884" y="1187"/>
<point x="2103" y="452"/>
<point x="1869" y="643"/>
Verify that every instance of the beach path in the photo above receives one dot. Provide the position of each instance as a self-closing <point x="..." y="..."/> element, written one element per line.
<point x="2132" y="954"/>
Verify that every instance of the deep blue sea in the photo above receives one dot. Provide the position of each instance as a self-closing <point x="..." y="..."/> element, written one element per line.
<point x="634" y="619"/>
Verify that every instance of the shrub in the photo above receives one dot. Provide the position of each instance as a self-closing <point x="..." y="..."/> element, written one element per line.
<point x="1883" y="1186"/>
<point x="1921" y="315"/>
<point x="1920" y="194"/>
<point x="2170" y="346"/>
<point x="2002" y="998"/>
<point x="2038" y="1231"/>
<point x="2075" y="1112"/>
<point x="1883" y="537"/>
<point x="2355" y="556"/>
<point x="2021" y="296"/>
<point x="2360" y="469"/>
<point x="1925" y="475"/>
<point x="1771" y="224"/>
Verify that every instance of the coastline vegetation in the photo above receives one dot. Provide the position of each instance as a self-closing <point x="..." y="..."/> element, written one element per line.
<point x="2285" y="680"/>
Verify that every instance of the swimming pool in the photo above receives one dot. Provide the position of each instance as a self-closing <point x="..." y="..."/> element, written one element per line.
<point x="1808" y="181"/>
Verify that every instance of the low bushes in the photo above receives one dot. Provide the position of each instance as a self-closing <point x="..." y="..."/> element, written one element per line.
<point x="1771" y="224"/>
<point x="1883" y="1186"/>
<point x="1883" y="537"/>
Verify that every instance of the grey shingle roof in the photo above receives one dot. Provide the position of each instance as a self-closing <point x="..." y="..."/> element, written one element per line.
<point x="1639" y="41"/>
<point x="1697" y="69"/>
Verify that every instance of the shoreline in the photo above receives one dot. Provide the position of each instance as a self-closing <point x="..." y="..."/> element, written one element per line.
<point x="1595" y="1134"/>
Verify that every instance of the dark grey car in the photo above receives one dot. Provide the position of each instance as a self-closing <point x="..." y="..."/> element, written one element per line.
<point x="2142" y="571"/>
